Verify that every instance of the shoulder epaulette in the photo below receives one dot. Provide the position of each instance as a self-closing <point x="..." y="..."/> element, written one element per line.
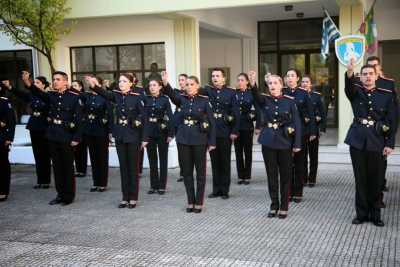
<point x="385" y="78"/>
<point x="359" y="85"/>
<point x="264" y="94"/>
<point x="5" y="98"/>
<point x="288" y="96"/>
<point x="385" y="90"/>
<point x="72" y="92"/>
<point x="231" y="88"/>
<point x="203" y="96"/>
<point x="315" y="92"/>
<point x="133" y="93"/>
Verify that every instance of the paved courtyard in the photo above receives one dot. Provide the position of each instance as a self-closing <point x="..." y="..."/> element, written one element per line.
<point x="235" y="232"/>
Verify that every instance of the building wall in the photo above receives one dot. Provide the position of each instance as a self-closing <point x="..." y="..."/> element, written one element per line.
<point x="220" y="52"/>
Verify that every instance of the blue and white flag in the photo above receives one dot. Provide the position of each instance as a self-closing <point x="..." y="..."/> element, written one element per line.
<point x="329" y="33"/>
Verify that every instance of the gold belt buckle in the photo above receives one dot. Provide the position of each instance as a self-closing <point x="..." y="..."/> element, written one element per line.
<point x="91" y="116"/>
<point x="151" y="119"/>
<point x="371" y="123"/>
<point x="2" y="124"/>
<point x="57" y="121"/>
<point x="123" y="122"/>
<point x="317" y="118"/>
<point x="36" y="114"/>
<point x="273" y="125"/>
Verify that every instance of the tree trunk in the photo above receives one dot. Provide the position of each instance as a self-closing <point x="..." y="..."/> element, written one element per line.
<point x="50" y="60"/>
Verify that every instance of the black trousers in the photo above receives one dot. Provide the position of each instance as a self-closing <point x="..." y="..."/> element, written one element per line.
<point x="81" y="156"/>
<point x="41" y="153"/>
<point x="312" y="153"/>
<point x="367" y="167"/>
<point x="194" y="157"/>
<point x="62" y="156"/>
<point x="278" y="164"/>
<point x="221" y="166"/>
<point x="140" y="161"/>
<point x="98" y="151"/>
<point x="158" y="180"/>
<point x="299" y="174"/>
<point x="5" y="173"/>
<point x="128" y="155"/>
<point x="244" y="151"/>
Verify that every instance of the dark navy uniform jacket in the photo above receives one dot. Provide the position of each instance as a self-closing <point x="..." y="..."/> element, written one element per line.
<point x="97" y="115"/>
<point x="372" y="109"/>
<point x="319" y="111"/>
<point x="129" y="114"/>
<point x="7" y="121"/>
<point x="38" y="119"/>
<point x="158" y="117"/>
<point x="194" y="110"/>
<point x="247" y="109"/>
<point x="65" y="115"/>
<point x="279" y="114"/>
<point x="224" y="103"/>
<point x="305" y="109"/>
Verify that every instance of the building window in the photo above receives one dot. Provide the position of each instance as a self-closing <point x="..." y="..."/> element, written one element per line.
<point x="12" y="63"/>
<point x="110" y="61"/>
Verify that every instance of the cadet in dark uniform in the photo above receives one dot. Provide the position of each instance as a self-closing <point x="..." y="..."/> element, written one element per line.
<point x="127" y="131"/>
<point x="37" y="126"/>
<point x="97" y="118"/>
<point x="182" y="82"/>
<point x="7" y="130"/>
<point x="370" y="137"/>
<point x="280" y="137"/>
<point x="244" y="143"/>
<point x="308" y="131"/>
<point x="320" y="121"/>
<point x="63" y="132"/>
<point x="157" y="133"/>
<point x="195" y="133"/>
<point x="227" y="117"/>
<point x="81" y="150"/>
<point x="389" y="84"/>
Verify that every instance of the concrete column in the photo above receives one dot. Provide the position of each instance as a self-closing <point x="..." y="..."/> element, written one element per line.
<point x="249" y="54"/>
<point x="187" y="47"/>
<point x="351" y="15"/>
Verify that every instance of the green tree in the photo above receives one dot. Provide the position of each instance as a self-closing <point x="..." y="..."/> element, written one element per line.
<point x="35" y="23"/>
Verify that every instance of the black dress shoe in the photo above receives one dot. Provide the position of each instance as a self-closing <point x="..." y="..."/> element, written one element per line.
<point x="296" y="200"/>
<point x="123" y="205"/>
<point x="180" y="179"/>
<point x="3" y="199"/>
<point x="282" y="214"/>
<point x="246" y="182"/>
<point x="272" y="213"/>
<point x="189" y="210"/>
<point x="225" y="196"/>
<point x="357" y="221"/>
<point x="213" y="195"/>
<point x="93" y="189"/>
<point x="80" y="174"/>
<point x="196" y="210"/>
<point x="311" y="185"/>
<point x="45" y="186"/>
<point x="161" y="192"/>
<point x="378" y="223"/>
<point x="66" y="203"/>
<point x="240" y="182"/>
<point x="101" y="189"/>
<point x="381" y="205"/>
<point x="385" y="189"/>
<point x="38" y="186"/>
<point x="55" y="201"/>
<point x="151" y="191"/>
<point x="131" y="206"/>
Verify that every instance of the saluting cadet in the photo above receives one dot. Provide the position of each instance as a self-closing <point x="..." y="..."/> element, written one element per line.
<point x="370" y="137"/>
<point x="320" y="122"/>
<point x="182" y="82"/>
<point x="97" y="119"/>
<point x="389" y="84"/>
<point x="127" y="131"/>
<point x="195" y="135"/>
<point x="37" y="126"/>
<point x="308" y="131"/>
<point x="7" y="130"/>
<point x="157" y="133"/>
<point x="81" y="150"/>
<point x="64" y="132"/>
<point x="280" y="137"/>
<point x="244" y="143"/>
<point x="227" y="117"/>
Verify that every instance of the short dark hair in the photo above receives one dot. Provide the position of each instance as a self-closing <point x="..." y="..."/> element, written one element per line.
<point x="194" y="78"/>
<point x="43" y="80"/>
<point x="65" y="76"/>
<point x="298" y="73"/>
<point x="183" y="75"/>
<point x="367" y="66"/>
<point x="372" y="58"/>
<point x="219" y="69"/>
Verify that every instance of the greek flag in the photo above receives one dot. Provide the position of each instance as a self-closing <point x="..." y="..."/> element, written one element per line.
<point x="329" y="33"/>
